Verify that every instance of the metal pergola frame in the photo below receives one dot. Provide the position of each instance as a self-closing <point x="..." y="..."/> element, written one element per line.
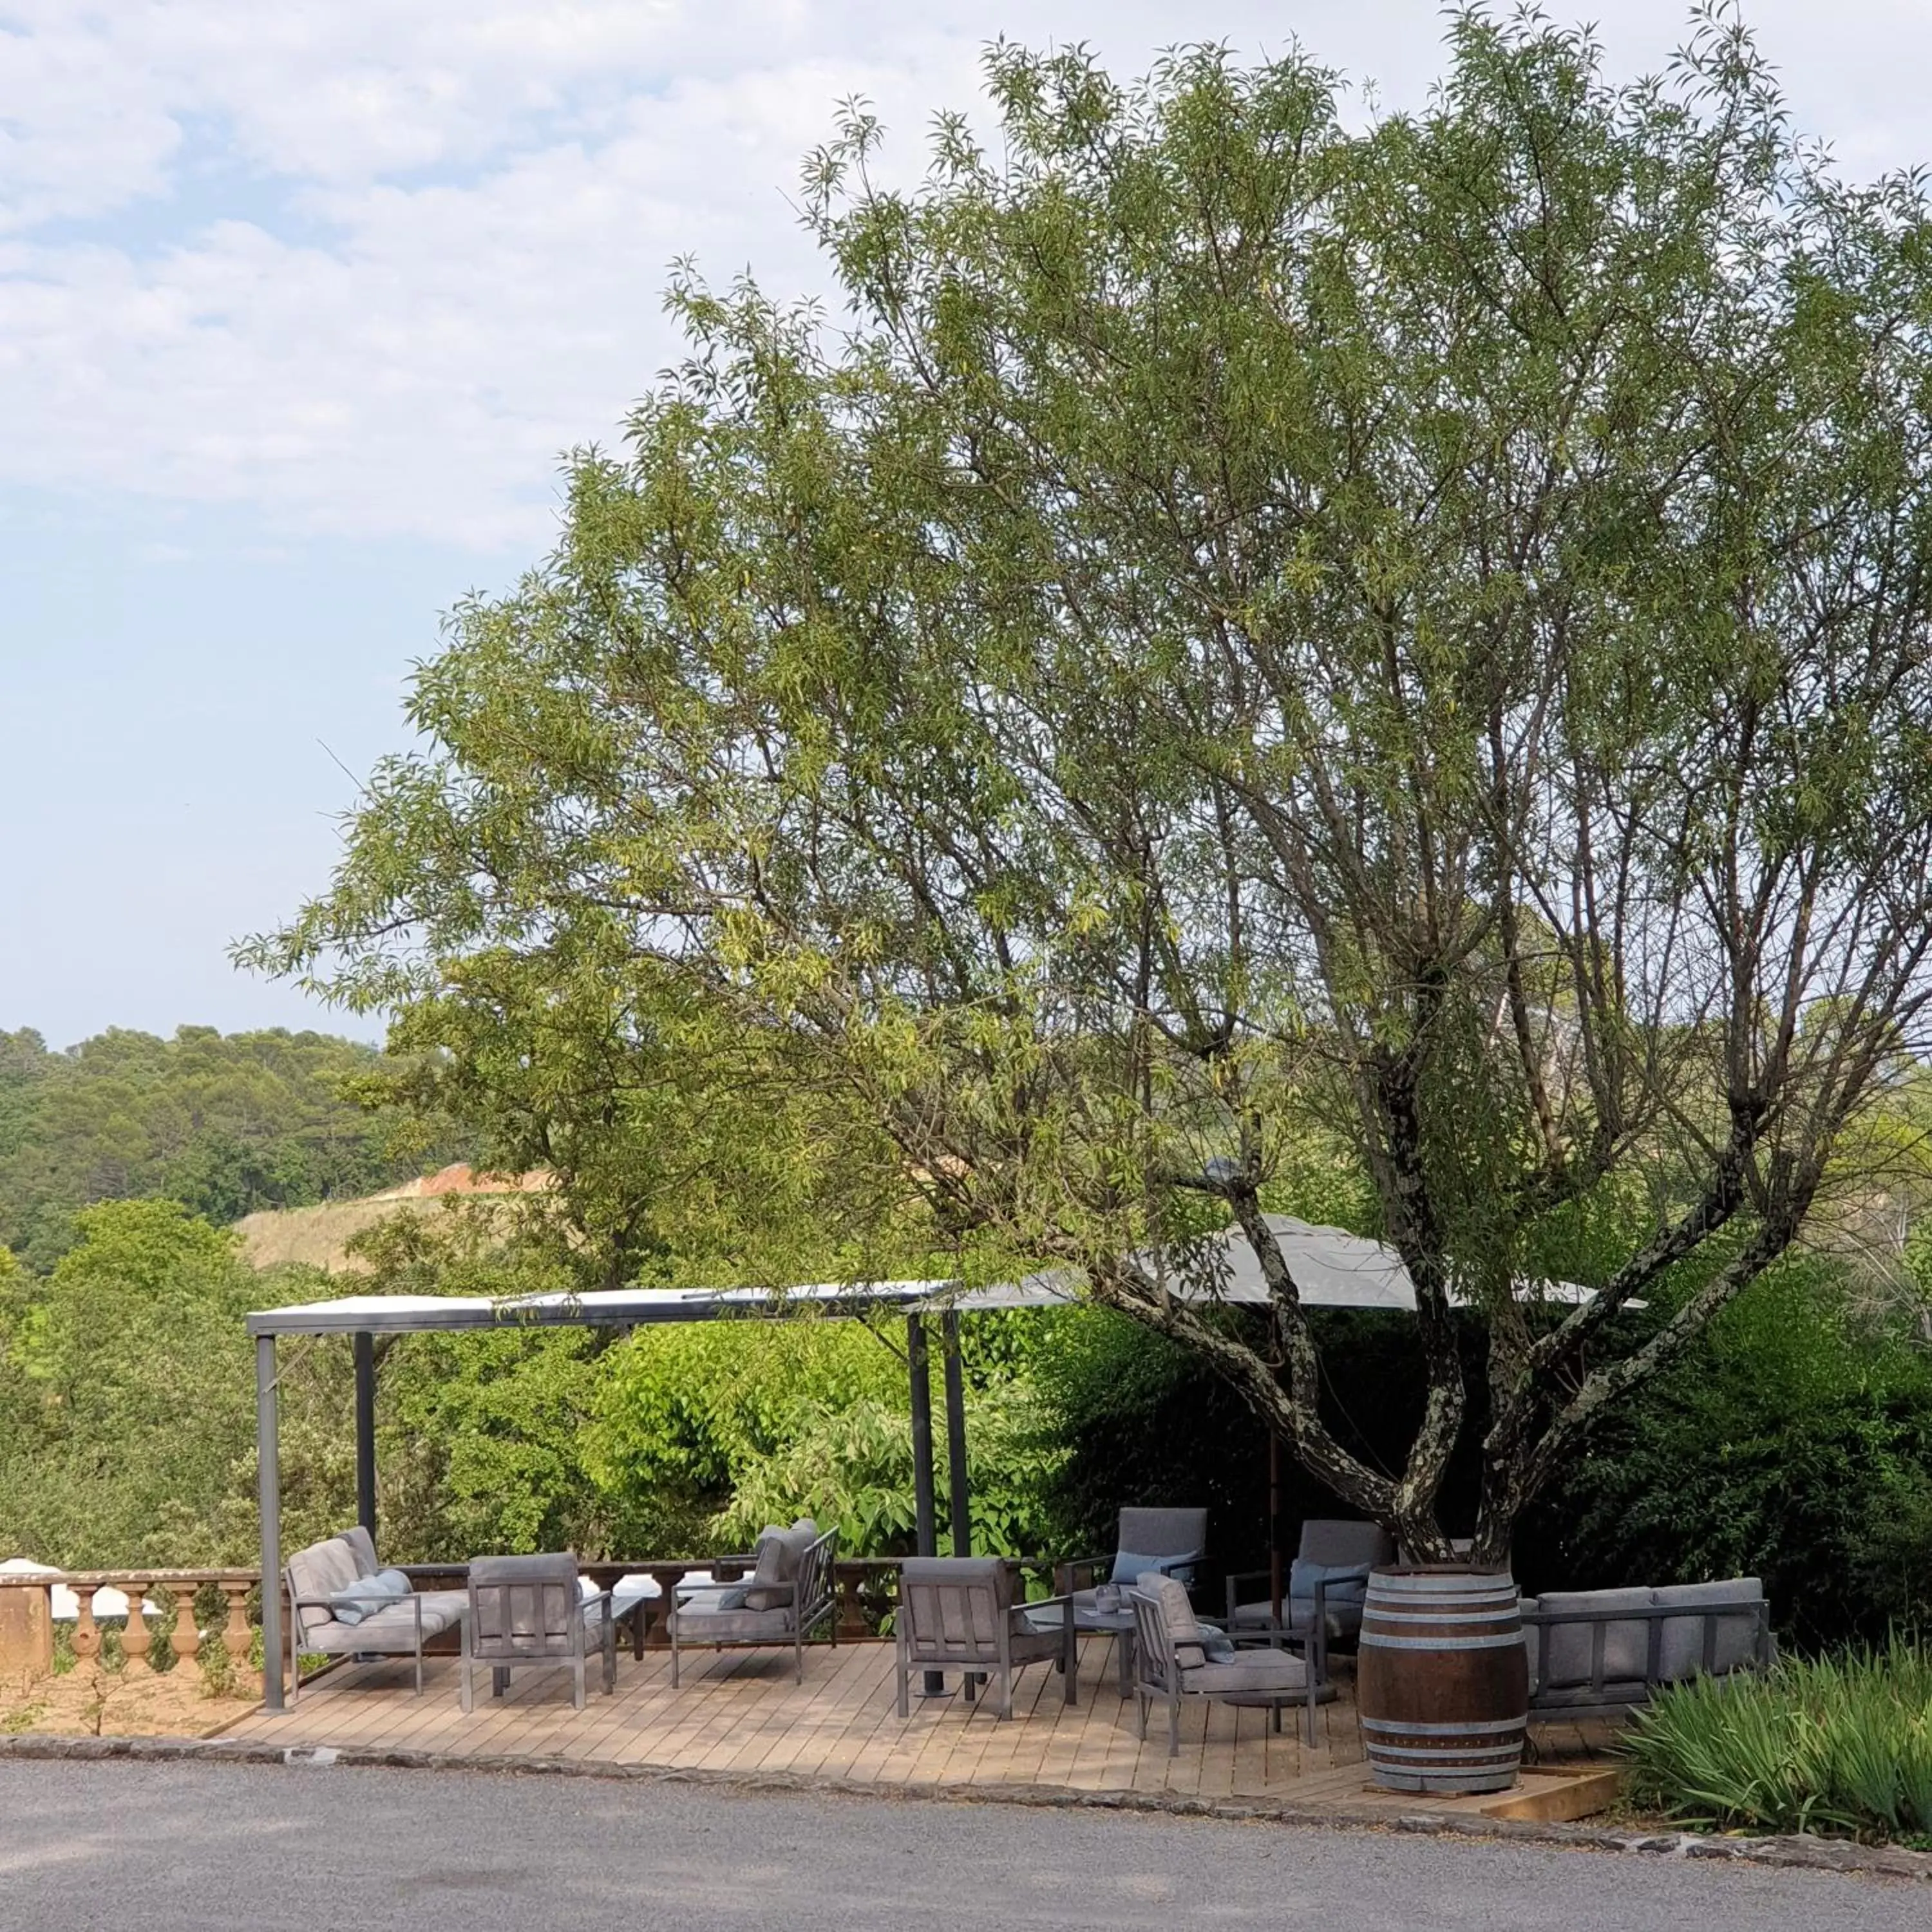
<point x="1332" y="1269"/>
<point x="362" y="1318"/>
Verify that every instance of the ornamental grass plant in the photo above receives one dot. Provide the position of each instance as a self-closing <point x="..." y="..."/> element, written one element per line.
<point x="1841" y="1745"/>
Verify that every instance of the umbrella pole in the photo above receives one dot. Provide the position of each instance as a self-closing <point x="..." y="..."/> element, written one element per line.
<point x="1274" y="1527"/>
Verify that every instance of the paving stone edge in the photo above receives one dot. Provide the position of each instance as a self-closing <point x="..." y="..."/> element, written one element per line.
<point x="1812" y="1854"/>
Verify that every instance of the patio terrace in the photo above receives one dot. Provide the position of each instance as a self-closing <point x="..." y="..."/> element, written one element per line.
<point x="741" y="1712"/>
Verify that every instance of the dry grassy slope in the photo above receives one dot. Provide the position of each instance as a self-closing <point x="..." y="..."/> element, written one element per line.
<point x="318" y="1236"/>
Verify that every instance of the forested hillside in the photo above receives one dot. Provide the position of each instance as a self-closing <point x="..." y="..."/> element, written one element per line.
<point x="225" y="1124"/>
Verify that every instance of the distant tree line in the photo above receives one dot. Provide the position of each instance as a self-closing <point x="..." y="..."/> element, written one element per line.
<point x="224" y="1124"/>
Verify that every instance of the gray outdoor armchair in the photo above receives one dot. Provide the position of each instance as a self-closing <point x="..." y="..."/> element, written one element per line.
<point x="1171" y="1541"/>
<point x="1325" y="1585"/>
<point x="789" y="1594"/>
<point x="1177" y="1656"/>
<point x="966" y="1614"/>
<point x="534" y="1609"/>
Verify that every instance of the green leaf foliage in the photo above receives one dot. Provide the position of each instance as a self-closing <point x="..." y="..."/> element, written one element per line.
<point x="1795" y="1445"/>
<point x="1253" y="629"/>
<point x="1842" y="1744"/>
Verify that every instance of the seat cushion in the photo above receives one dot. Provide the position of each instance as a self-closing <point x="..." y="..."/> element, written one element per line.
<point x="746" y="1626"/>
<point x="390" y="1631"/>
<point x="1251" y="1671"/>
<point x="448" y="1607"/>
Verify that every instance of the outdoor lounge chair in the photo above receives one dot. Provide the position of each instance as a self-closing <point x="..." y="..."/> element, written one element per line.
<point x="1177" y="1656"/>
<point x="1327" y="1581"/>
<point x="789" y="1593"/>
<point x="534" y="1610"/>
<point x="342" y="1604"/>
<point x="1600" y="1653"/>
<point x="964" y="1613"/>
<point x="1172" y="1541"/>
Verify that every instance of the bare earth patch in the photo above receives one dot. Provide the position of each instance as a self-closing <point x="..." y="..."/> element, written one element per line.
<point x="136" y="1702"/>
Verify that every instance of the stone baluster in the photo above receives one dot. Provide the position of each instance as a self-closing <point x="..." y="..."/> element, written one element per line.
<point x="86" y="1631"/>
<point x="134" y="1636"/>
<point x="667" y="1576"/>
<point x="186" y="1641"/>
<point x="235" y="1634"/>
<point x="853" y="1626"/>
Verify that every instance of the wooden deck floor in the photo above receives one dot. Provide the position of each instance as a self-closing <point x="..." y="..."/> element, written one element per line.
<point x="741" y="1712"/>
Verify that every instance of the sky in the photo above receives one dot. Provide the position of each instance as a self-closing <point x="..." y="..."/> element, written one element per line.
<point x="301" y="304"/>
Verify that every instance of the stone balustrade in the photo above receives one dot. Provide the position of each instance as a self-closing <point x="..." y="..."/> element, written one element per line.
<point x="867" y="1590"/>
<point x="28" y="1614"/>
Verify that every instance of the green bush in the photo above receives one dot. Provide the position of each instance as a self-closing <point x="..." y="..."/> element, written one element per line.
<point x="707" y="1432"/>
<point x="1792" y="1444"/>
<point x="1843" y="1745"/>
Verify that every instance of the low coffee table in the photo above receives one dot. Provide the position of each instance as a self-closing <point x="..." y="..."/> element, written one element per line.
<point x="1117" y="1623"/>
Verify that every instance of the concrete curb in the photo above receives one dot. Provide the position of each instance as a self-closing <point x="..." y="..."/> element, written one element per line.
<point x="1800" y="1853"/>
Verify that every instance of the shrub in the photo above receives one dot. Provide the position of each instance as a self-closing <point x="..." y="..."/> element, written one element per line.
<point x="1842" y="1744"/>
<point x="1791" y="1444"/>
<point x="853" y="1467"/>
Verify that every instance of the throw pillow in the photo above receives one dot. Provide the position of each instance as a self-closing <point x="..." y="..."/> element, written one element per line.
<point x="1129" y="1565"/>
<point x="370" y="1594"/>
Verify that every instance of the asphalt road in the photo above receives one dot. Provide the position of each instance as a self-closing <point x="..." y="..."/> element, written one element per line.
<point x="163" y="1846"/>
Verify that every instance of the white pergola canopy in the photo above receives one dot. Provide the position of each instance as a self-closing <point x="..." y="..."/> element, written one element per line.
<point x="1332" y="1269"/>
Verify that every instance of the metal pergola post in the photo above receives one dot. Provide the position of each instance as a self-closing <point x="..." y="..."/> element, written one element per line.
<point x="957" y="1492"/>
<point x="268" y="1479"/>
<point x="364" y="1345"/>
<point x="926" y="1514"/>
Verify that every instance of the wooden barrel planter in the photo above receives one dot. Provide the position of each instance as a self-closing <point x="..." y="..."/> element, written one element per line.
<point x="1442" y="1682"/>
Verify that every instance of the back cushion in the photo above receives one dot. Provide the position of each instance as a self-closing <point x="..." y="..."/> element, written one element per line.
<point x="773" y="1556"/>
<point x="322" y="1570"/>
<point x="1683" y="1651"/>
<point x="1567" y="1647"/>
<point x="1183" y="1626"/>
<point x="361" y="1547"/>
<point x="1344" y="1544"/>
<point x="777" y="1567"/>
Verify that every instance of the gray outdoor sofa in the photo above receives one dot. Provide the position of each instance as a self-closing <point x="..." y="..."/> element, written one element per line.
<point x="789" y="1593"/>
<point x="1600" y="1653"/>
<point x="343" y="1603"/>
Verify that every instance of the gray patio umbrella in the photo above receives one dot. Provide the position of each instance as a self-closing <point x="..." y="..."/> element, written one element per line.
<point x="1331" y="1269"/>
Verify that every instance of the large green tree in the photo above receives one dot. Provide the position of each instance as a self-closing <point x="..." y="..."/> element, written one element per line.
<point x="1255" y="627"/>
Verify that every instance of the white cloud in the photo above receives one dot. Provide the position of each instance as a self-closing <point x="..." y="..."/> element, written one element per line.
<point x="371" y="264"/>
